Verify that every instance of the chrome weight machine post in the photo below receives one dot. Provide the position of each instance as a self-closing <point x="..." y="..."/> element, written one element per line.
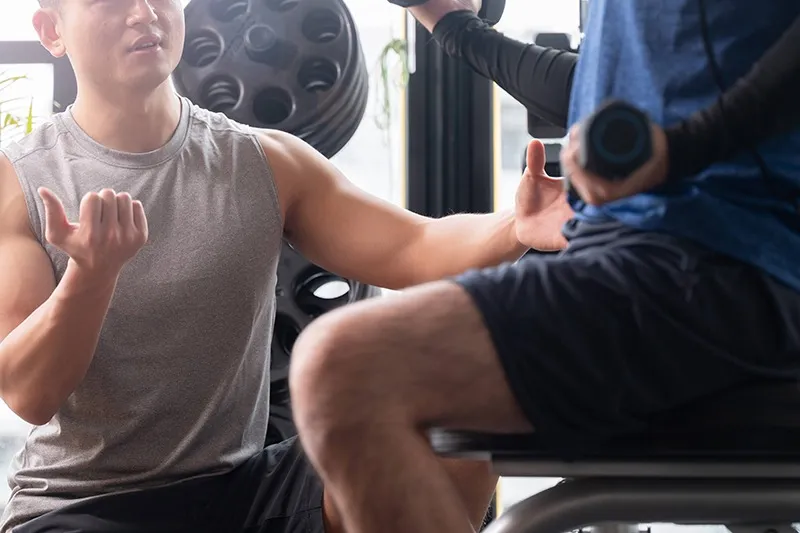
<point x="615" y="528"/>
<point x="761" y="528"/>
<point x="698" y="500"/>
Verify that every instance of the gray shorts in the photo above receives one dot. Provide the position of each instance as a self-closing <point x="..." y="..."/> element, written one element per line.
<point x="276" y="491"/>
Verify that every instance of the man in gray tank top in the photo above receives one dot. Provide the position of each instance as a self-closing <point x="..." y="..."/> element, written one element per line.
<point x="139" y="240"/>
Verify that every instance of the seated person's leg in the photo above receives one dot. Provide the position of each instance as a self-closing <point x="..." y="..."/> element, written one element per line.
<point x="326" y="429"/>
<point x="579" y="347"/>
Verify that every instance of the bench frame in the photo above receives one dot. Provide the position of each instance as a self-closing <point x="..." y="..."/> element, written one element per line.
<point x="744" y="505"/>
<point x="746" y="498"/>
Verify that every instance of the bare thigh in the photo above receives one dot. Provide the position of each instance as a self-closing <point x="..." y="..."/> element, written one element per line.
<point x="424" y="355"/>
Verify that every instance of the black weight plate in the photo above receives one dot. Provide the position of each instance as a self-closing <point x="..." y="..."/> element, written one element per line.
<point x="337" y="123"/>
<point x="335" y="129"/>
<point x="278" y="64"/>
<point x="300" y="298"/>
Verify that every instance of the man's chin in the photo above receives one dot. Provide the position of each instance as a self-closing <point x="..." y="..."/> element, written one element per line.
<point x="147" y="81"/>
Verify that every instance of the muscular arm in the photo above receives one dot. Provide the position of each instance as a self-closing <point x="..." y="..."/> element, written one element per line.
<point x="343" y="229"/>
<point x="764" y="103"/>
<point x="539" y="78"/>
<point x="47" y="335"/>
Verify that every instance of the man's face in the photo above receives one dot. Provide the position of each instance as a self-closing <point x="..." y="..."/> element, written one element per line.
<point x="131" y="44"/>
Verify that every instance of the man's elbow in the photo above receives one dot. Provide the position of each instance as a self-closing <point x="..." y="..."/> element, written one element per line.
<point x="33" y="408"/>
<point x="33" y="413"/>
<point x="401" y="278"/>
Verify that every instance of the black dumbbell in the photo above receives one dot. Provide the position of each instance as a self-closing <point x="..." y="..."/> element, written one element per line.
<point x="614" y="141"/>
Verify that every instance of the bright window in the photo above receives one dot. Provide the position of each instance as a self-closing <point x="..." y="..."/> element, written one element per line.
<point x="523" y="20"/>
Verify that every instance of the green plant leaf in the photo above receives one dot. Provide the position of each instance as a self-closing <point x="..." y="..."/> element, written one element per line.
<point x="29" y="121"/>
<point x="5" y="83"/>
<point x="398" y="48"/>
<point x="13" y="116"/>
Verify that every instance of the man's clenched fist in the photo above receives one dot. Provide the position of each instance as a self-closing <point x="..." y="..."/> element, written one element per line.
<point x="110" y="231"/>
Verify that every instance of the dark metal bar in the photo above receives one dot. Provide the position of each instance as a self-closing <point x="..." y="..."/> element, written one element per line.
<point x="450" y="124"/>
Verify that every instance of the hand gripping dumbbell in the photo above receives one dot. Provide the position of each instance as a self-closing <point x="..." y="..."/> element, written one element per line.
<point x="491" y="10"/>
<point x="615" y="141"/>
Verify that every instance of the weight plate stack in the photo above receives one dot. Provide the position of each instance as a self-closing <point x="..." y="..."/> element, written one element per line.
<point x="304" y="292"/>
<point x="279" y="64"/>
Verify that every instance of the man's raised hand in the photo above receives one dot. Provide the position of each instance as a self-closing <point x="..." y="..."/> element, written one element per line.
<point x="110" y="231"/>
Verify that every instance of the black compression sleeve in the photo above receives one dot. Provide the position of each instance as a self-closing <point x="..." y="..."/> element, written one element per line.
<point x="764" y="103"/>
<point x="539" y="78"/>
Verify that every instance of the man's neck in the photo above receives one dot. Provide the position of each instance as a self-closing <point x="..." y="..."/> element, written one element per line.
<point x="129" y="123"/>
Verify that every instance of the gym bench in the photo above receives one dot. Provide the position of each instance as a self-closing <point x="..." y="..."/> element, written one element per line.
<point x="732" y="460"/>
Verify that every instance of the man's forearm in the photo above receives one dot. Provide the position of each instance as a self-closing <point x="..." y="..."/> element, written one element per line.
<point x="762" y="104"/>
<point x="457" y="243"/>
<point x="538" y="77"/>
<point x="45" y="358"/>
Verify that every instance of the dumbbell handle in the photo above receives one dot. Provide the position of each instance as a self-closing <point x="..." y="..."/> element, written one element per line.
<point x="615" y="141"/>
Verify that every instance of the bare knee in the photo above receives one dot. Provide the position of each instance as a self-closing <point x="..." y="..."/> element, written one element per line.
<point x="313" y="362"/>
<point x="317" y="358"/>
<point x="330" y="376"/>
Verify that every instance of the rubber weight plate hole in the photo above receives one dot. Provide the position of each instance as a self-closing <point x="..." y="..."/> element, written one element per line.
<point x="322" y="26"/>
<point x="321" y="292"/>
<point x="202" y="48"/>
<point x="221" y="94"/>
<point x="272" y="106"/>
<point x="281" y="5"/>
<point x="332" y="289"/>
<point x="318" y="74"/>
<point x="227" y="10"/>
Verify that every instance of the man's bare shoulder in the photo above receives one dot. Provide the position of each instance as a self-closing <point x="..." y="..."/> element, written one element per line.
<point x="285" y="148"/>
<point x="291" y="157"/>
<point x="300" y="172"/>
<point x="13" y="209"/>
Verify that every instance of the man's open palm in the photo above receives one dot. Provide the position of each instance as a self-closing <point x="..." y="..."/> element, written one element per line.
<point x="541" y="204"/>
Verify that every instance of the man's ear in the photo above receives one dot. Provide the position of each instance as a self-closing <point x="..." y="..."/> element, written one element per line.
<point x="46" y="22"/>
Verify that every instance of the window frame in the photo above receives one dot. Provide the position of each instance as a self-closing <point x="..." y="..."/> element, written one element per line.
<point x="65" y="86"/>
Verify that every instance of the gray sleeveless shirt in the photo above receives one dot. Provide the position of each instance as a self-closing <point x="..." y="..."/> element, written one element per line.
<point x="179" y="383"/>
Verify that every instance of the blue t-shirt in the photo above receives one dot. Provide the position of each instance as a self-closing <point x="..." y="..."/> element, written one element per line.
<point x="651" y="54"/>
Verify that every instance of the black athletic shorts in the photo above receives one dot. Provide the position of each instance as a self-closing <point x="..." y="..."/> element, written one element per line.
<point x="627" y="325"/>
<point x="276" y="491"/>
